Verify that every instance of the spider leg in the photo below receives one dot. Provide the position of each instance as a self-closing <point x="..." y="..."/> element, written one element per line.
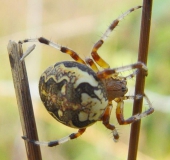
<point x="57" y="142"/>
<point x="106" y="117"/>
<point x="130" y="76"/>
<point x="66" y="50"/>
<point x="96" y="57"/>
<point x="100" y="42"/>
<point x="91" y="63"/>
<point x="106" y="73"/>
<point x="120" y="105"/>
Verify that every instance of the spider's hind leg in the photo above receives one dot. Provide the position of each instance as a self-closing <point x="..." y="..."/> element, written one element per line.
<point x="57" y="142"/>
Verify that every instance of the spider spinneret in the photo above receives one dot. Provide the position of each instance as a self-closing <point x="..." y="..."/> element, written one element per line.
<point x="78" y="94"/>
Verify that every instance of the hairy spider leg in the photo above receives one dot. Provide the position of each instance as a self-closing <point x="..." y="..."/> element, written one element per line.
<point x="66" y="50"/>
<point x="91" y="63"/>
<point x="120" y="105"/>
<point x="106" y="73"/>
<point x="106" y="117"/>
<point x="98" y="44"/>
<point x="57" y="142"/>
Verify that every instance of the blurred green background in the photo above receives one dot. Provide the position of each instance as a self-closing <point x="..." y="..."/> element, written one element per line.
<point x="78" y="25"/>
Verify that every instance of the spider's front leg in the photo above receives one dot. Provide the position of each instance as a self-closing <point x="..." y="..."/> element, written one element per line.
<point x="106" y="73"/>
<point x="57" y="142"/>
<point x="120" y="105"/>
<point x="66" y="50"/>
<point x="106" y="34"/>
<point x="106" y="117"/>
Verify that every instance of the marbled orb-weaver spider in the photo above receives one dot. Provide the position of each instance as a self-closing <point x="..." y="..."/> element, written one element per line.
<point x="78" y="94"/>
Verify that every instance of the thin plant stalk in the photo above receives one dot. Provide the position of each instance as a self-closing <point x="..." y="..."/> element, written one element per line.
<point x="24" y="101"/>
<point x="140" y="79"/>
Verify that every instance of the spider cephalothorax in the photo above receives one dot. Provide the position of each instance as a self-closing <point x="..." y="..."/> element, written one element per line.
<point x="115" y="88"/>
<point x="78" y="94"/>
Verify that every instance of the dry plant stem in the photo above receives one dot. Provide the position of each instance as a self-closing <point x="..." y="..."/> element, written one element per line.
<point x="140" y="79"/>
<point x="23" y="99"/>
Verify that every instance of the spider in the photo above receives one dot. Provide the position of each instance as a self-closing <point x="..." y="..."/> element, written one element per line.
<point x="78" y="94"/>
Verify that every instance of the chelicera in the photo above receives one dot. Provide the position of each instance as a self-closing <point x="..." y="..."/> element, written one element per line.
<point x="78" y="94"/>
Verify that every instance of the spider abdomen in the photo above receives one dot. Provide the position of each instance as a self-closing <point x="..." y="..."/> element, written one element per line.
<point x="72" y="94"/>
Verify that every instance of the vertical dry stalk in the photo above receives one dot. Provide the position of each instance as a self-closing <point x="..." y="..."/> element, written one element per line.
<point x="140" y="79"/>
<point x="23" y="99"/>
